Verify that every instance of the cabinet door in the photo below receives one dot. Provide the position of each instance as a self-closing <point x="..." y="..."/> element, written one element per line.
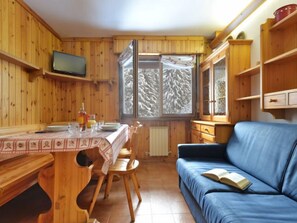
<point x="206" y="93"/>
<point x="220" y="87"/>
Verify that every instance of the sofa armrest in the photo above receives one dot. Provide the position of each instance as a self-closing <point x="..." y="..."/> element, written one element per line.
<point x="201" y="150"/>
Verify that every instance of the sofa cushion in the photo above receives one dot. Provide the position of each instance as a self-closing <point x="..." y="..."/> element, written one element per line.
<point x="190" y="170"/>
<point x="247" y="208"/>
<point x="290" y="181"/>
<point x="262" y="149"/>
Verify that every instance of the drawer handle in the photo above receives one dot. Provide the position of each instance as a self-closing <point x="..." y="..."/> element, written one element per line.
<point x="206" y="130"/>
<point x="272" y="100"/>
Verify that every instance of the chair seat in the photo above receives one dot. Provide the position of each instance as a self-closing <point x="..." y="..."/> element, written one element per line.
<point x="120" y="166"/>
<point x="124" y="153"/>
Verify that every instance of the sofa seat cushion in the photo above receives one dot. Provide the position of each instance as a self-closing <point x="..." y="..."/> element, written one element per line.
<point x="247" y="208"/>
<point x="190" y="170"/>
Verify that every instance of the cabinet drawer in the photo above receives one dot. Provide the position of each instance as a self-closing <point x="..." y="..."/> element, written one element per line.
<point x="276" y="100"/>
<point x="208" y="138"/>
<point x="195" y="136"/>
<point x="292" y="98"/>
<point x="196" y="126"/>
<point x="208" y="129"/>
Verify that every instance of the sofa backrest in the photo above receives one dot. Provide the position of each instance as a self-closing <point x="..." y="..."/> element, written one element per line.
<point x="290" y="181"/>
<point x="263" y="150"/>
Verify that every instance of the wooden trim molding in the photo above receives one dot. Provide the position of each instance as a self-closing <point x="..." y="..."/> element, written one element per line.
<point x="39" y="19"/>
<point x="239" y="19"/>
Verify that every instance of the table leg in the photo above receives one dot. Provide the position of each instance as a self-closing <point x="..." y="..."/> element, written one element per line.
<point x="63" y="182"/>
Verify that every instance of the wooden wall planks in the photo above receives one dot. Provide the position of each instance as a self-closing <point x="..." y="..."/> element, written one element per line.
<point x="21" y="35"/>
<point x="101" y="64"/>
<point x="164" y="44"/>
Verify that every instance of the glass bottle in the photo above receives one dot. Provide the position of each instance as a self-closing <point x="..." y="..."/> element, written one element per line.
<point x="82" y="118"/>
<point x="91" y="121"/>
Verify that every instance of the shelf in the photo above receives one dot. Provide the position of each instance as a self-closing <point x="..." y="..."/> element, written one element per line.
<point x="249" y="72"/>
<point x="22" y="63"/>
<point x="287" y="21"/>
<point x="287" y="55"/>
<point x="56" y="76"/>
<point x="248" y="98"/>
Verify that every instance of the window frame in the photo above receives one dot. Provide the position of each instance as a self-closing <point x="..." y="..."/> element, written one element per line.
<point x="162" y="117"/>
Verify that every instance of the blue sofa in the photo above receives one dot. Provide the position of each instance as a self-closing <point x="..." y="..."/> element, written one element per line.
<point x="265" y="153"/>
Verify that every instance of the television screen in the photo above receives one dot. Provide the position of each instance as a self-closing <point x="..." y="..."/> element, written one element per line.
<point x="69" y="64"/>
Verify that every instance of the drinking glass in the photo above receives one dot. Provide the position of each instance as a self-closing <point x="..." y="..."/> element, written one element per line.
<point x="73" y="128"/>
<point x="99" y="124"/>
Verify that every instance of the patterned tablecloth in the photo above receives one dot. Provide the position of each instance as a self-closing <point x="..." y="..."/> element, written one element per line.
<point x="108" y="143"/>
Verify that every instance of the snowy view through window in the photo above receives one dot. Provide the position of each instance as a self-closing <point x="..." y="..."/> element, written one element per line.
<point x="170" y="94"/>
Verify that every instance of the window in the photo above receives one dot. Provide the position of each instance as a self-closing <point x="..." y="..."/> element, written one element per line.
<point x="158" y="87"/>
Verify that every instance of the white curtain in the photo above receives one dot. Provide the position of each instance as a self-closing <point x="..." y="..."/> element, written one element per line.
<point x="179" y="62"/>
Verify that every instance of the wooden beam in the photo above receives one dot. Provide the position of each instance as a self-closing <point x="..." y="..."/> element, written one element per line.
<point x="239" y="19"/>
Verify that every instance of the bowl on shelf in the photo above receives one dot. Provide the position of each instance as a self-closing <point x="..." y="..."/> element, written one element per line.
<point x="284" y="11"/>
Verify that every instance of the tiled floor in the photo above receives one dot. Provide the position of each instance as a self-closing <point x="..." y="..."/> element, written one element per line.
<point x="161" y="200"/>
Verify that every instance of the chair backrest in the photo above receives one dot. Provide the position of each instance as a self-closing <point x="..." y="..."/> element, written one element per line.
<point x="133" y="145"/>
<point x="133" y="129"/>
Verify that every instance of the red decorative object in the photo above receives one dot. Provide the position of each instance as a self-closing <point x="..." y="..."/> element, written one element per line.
<point x="284" y="11"/>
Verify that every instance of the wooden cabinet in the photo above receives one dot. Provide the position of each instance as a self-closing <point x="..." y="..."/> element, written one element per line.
<point x="210" y="132"/>
<point x="279" y="65"/>
<point x="218" y="87"/>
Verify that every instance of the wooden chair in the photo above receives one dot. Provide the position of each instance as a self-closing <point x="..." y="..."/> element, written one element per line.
<point x="96" y="166"/>
<point x="126" y="151"/>
<point x="126" y="167"/>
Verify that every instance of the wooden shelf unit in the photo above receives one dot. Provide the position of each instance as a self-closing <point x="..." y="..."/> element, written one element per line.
<point x="57" y="76"/>
<point x="287" y="55"/>
<point x="17" y="61"/>
<point x="285" y="22"/>
<point x="249" y="72"/>
<point x="244" y="81"/>
<point x="252" y="97"/>
<point x="279" y="59"/>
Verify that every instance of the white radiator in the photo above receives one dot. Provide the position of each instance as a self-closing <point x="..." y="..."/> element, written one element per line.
<point x="159" y="141"/>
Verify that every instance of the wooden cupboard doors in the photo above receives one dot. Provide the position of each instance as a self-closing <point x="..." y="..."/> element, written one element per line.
<point x="206" y="93"/>
<point x="219" y="87"/>
<point x="214" y="88"/>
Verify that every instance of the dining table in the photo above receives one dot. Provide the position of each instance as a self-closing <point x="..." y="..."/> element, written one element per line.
<point x="66" y="178"/>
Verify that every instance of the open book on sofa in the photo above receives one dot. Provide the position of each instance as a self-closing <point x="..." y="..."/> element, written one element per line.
<point x="225" y="177"/>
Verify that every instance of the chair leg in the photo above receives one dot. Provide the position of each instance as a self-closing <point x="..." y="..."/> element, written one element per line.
<point x="108" y="185"/>
<point x="136" y="186"/>
<point x="97" y="190"/>
<point x="128" y="193"/>
<point x="137" y="180"/>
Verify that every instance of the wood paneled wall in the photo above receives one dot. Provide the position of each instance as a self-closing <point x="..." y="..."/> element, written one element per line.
<point x="164" y="44"/>
<point x="46" y="100"/>
<point x="22" y="35"/>
<point x="101" y="65"/>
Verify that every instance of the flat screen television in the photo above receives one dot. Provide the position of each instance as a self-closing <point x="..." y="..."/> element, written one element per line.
<point x="65" y="63"/>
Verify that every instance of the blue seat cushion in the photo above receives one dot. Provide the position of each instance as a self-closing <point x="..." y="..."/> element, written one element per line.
<point x="190" y="170"/>
<point x="248" y="208"/>
<point x="263" y="149"/>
